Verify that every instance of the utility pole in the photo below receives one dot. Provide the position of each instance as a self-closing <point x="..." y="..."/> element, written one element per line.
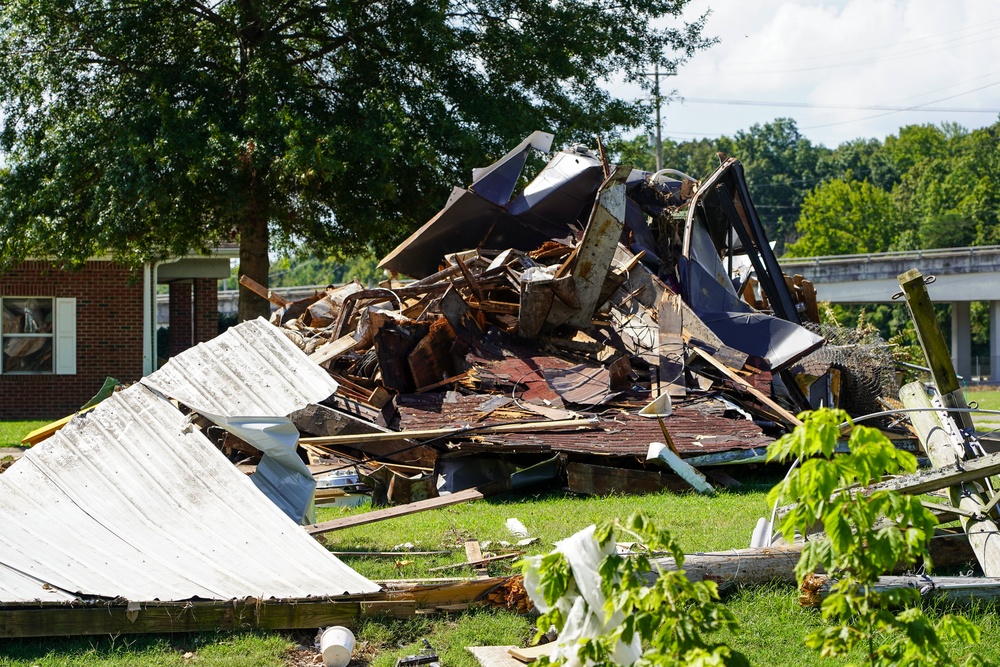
<point x="658" y="101"/>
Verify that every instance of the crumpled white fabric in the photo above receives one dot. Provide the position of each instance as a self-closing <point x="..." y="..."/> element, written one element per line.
<point x="583" y="604"/>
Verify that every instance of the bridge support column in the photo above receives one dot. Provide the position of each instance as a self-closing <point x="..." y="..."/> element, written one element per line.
<point x="995" y="341"/>
<point x="961" y="339"/>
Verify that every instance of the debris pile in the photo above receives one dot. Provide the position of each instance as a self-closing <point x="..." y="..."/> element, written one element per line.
<point x="543" y="324"/>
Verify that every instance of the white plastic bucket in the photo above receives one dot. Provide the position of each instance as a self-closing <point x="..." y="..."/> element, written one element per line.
<point x="336" y="644"/>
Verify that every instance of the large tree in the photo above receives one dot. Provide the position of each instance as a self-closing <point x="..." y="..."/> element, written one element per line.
<point x="154" y="127"/>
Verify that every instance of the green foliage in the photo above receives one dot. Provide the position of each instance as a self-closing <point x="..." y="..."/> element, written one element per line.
<point x="845" y="217"/>
<point x="669" y="614"/>
<point x="155" y="127"/>
<point x="860" y="545"/>
<point x="781" y="167"/>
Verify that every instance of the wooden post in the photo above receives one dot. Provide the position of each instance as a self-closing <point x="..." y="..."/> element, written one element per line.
<point x="945" y="446"/>
<point x="935" y="349"/>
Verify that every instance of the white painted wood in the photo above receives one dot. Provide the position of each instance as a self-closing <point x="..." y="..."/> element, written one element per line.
<point x="65" y="336"/>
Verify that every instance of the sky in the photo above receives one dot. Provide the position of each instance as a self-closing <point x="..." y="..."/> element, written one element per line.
<point x="822" y="62"/>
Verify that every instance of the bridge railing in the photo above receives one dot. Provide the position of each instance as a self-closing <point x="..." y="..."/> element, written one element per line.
<point x="932" y="253"/>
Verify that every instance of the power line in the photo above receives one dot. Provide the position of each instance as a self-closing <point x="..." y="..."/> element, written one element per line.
<point x="810" y="105"/>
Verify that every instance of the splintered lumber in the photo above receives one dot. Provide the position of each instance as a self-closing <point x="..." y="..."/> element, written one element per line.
<point x="327" y="422"/>
<point x="477" y="563"/>
<point x="671" y="346"/>
<point x="758" y="565"/>
<point x="591" y="261"/>
<point x="333" y="349"/>
<point x="660" y="453"/>
<point x="263" y="292"/>
<point x="423" y="434"/>
<point x="749" y="388"/>
<point x="945" y="446"/>
<point x="468" y="495"/>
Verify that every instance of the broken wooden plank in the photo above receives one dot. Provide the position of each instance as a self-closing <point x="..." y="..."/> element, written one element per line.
<point x="423" y="434"/>
<point x="531" y="653"/>
<point x="326" y="422"/>
<point x="766" y="400"/>
<point x="494" y="656"/>
<point x="457" y="498"/>
<point x="671" y="346"/>
<point x="477" y="563"/>
<point x="263" y="292"/>
<point x="955" y="474"/>
<point x="660" y="453"/>
<point x="430" y="360"/>
<point x="333" y="349"/>
<point x="591" y="260"/>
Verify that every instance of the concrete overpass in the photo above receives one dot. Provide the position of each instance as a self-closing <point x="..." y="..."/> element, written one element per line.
<point x="962" y="275"/>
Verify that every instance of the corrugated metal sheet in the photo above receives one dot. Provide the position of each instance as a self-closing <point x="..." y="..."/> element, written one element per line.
<point x="130" y="501"/>
<point x="250" y="370"/>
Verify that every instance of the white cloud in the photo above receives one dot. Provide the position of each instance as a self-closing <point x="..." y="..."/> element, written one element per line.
<point x="850" y="53"/>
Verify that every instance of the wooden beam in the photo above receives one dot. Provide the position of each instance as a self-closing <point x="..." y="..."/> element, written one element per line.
<point x="955" y="474"/>
<point x="750" y="389"/>
<point x="423" y="434"/>
<point x="109" y="618"/>
<point x="263" y="292"/>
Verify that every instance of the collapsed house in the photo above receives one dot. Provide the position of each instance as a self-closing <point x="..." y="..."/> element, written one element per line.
<point x="573" y="309"/>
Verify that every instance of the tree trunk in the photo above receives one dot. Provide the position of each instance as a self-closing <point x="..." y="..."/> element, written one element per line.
<point x="254" y="263"/>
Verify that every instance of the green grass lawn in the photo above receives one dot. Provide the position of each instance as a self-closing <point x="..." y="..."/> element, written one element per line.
<point x="773" y="623"/>
<point x="987" y="398"/>
<point x="12" y="432"/>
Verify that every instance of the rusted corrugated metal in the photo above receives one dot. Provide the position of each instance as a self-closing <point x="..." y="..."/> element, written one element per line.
<point x="700" y="427"/>
<point x="132" y="502"/>
<point x="252" y="369"/>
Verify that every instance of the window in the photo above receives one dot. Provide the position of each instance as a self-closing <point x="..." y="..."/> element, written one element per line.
<point x="37" y="335"/>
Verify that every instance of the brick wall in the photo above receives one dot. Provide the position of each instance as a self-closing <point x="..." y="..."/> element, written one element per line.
<point x="108" y="336"/>
<point x="206" y="309"/>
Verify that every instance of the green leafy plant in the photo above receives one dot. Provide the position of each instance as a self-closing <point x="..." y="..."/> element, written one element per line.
<point x="867" y="535"/>
<point x="664" y="618"/>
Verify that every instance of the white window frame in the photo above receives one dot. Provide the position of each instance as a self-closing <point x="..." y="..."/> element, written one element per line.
<point x="63" y="336"/>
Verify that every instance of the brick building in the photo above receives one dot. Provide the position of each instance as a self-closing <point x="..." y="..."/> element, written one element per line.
<point x="63" y="332"/>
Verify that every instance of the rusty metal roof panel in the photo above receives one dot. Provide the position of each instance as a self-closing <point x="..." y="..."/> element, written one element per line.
<point x="251" y="369"/>
<point x="133" y="502"/>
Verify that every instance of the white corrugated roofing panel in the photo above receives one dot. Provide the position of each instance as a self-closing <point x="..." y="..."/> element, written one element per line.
<point x="251" y="369"/>
<point x="131" y="501"/>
